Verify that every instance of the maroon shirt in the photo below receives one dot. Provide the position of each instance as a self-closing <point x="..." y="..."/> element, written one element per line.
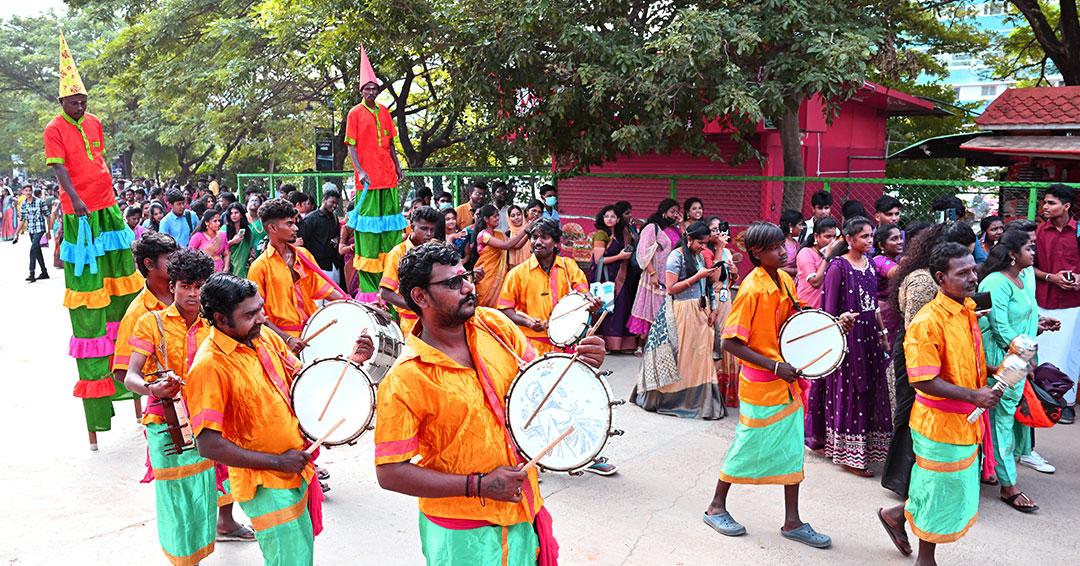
<point x="1056" y="250"/>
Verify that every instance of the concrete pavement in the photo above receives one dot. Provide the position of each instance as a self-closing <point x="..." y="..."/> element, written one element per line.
<point x="68" y="505"/>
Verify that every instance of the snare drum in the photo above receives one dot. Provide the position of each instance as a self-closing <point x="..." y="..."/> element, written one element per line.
<point x="354" y="401"/>
<point x="583" y="400"/>
<point x="340" y="338"/>
<point x="799" y="349"/>
<point x="569" y="320"/>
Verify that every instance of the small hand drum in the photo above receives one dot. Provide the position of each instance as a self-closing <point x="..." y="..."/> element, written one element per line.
<point x="569" y="320"/>
<point x="813" y="337"/>
<point x="582" y="400"/>
<point x="339" y="339"/>
<point x="354" y="401"/>
<point x="1013" y="370"/>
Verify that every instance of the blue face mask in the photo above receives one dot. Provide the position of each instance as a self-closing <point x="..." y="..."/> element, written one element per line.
<point x="550" y="201"/>
<point x="446" y="206"/>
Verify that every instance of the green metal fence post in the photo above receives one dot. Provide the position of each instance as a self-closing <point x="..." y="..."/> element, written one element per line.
<point x="826" y="186"/>
<point x="674" y="188"/>
<point x="457" y="190"/>
<point x="1033" y="200"/>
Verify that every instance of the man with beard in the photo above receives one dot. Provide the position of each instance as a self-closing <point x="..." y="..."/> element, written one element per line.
<point x="443" y="401"/>
<point x="947" y="367"/>
<point x="237" y="393"/>
<point x="287" y="276"/>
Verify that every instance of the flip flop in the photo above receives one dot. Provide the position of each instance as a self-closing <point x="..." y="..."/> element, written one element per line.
<point x="242" y="534"/>
<point x="602" y="468"/>
<point x="861" y="472"/>
<point x="724" y="524"/>
<point x="899" y="538"/>
<point x="323" y="474"/>
<point x="989" y="481"/>
<point x="808" y="536"/>
<point x="1012" y="503"/>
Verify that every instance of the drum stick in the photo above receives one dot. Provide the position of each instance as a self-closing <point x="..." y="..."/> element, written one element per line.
<point x="307" y="340"/>
<point x="322" y="439"/>
<point x="338" y="383"/>
<point x="531" y="463"/>
<point x="579" y="307"/>
<point x="812" y="332"/>
<point x="564" y="371"/>
<point x="815" y="360"/>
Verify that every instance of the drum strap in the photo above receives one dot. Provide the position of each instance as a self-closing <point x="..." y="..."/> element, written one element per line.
<point x="163" y="361"/>
<point x="794" y="304"/>
<point x="520" y="362"/>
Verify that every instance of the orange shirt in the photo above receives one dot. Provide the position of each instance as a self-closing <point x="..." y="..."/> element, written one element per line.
<point x="243" y="393"/>
<point x="373" y="133"/>
<point x="759" y="310"/>
<point x="531" y="292"/>
<point x="431" y="406"/>
<point x="464" y="216"/>
<point x="180" y="343"/>
<point x="944" y="341"/>
<point x="144" y="303"/>
<point x="390" y="281"/>
<point x="288" y="305"/>
<point x="79" y="146"/>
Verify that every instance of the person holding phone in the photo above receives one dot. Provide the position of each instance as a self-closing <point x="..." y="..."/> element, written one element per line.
<point x="611" y="255"/>
<point x="693" y="391"/>
<point x="240" y="239"/>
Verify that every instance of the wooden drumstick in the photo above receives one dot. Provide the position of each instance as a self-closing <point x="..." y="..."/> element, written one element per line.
<point x="307" y="340"/>
<point x="579" y="307"/>
<point x="338" y="383"/>
<point x="322" y="439"/>
<point x="814" y="361"/>
<point x="812" y="332"/>
<point x="532" y="463"/>
<point x="564" y="372"/>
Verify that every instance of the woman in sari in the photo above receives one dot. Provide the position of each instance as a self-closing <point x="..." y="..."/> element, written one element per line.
<point x="611" y="255"/>
<point x="491" y="248"/>
<point x="693" y="391"/>
<point x="239" y="236"/>
<point x="208" y="239"/>
<point x="520" y="254"/>
<point x="657" y="240"/>
<point x="8" y="221"/>
<point x="258" y="233"/>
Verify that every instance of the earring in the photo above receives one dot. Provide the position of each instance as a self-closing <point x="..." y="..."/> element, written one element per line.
<point x="1013" y="262"/>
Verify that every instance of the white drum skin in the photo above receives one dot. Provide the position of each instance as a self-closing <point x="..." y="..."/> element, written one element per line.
<point x="801" y="351"/>
<point x="354" y="401"/>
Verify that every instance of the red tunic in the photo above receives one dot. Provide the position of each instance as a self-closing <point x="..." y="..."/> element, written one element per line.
<point x="373" y="132"/>
<point x="79" y="146"/>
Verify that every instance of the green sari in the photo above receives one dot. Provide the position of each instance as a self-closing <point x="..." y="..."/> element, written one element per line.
<point x="240" y="254"/>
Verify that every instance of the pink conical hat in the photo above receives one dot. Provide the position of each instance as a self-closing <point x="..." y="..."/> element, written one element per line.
<point x="367" y="73"/>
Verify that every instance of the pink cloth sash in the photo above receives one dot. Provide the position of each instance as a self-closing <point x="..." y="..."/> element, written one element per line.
<point x="957" y="407"/>
<point x="756" y="375"/>
<point x="312" y="266"/>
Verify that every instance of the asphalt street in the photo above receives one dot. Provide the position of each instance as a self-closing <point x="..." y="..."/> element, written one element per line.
<point x="68" y="505"/>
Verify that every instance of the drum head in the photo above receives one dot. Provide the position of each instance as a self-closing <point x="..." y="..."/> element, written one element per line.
<point x="582" y="401"/>
<point x="569" y="320"/>
<point x="801" y="351"/>
<point x="353" y="401"/>
<point x="339" y="339"/>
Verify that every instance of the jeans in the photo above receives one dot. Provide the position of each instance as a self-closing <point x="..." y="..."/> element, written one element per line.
<point x="35" y="252"/>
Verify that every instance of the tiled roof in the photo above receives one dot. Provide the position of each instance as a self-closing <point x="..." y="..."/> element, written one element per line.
<point x="1033" y="108"/>
<point x="1067" y="147"/>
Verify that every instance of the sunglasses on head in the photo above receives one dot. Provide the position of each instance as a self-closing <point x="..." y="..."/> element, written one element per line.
<point x="454" y="283"/>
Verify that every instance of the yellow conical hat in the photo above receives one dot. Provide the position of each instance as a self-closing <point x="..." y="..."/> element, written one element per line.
<point x="70" y="81"/>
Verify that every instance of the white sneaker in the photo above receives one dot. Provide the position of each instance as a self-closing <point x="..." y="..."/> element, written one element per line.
<point x="1037" y="463"/>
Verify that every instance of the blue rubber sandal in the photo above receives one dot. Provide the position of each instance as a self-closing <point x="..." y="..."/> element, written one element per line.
<point x="808" y="536"/>
<point x="724" y="524"/>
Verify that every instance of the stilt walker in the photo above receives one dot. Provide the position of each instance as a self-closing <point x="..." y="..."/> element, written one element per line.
<point x="99" y="272"/>
<point x="376" y="219"/>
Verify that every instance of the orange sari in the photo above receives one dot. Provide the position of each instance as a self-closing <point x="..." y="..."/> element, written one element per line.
<point x="493" y="260"/>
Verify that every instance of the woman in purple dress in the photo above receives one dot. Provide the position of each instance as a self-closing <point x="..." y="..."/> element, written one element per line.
<point x="848" y="414"/>
<point x="612" y="251"/>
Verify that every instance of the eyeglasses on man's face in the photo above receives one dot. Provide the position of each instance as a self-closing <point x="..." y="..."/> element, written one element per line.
<point x="454" y="283"/>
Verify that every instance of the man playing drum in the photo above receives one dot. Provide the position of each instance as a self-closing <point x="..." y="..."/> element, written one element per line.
<point x="947" y="367"/>
<point x="443" y="401"/>
<point x="186" y="490"/>
<point x="237" y="393"/>
<point x="423" y="222"/>
<point x="768" y="447"/>
<point x="288" y="278"/>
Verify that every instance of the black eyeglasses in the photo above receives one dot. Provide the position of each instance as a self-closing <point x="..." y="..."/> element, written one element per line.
<point x="454" y="283"/>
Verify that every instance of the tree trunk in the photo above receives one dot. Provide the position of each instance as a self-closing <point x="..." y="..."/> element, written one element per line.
<point x="791" y="145"/>
<point x="341" y="151"/>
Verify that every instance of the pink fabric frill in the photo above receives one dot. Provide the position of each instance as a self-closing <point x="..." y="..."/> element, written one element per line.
<point x="112" y="329"/>
<point x="367" y="297"/>
<point x="81" y="348"/>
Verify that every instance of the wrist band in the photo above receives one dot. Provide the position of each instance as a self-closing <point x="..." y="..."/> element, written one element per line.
<point x="1047" y="278"/>
<point x="776" y="367"/>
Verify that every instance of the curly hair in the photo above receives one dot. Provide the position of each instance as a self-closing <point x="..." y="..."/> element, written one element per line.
<point x="917" y="251"/>
<point x="190" y="266"/>
<point x="151" y="246"/>
<point x="276" y="209"/>
<point x="415" y="268"/>
<point x="222" y="292"/>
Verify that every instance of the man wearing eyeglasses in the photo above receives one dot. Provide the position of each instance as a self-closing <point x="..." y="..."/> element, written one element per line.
<point x="443" y="401"/>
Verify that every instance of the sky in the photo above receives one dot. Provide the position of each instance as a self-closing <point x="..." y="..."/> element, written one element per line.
<point x="10" y="8"/>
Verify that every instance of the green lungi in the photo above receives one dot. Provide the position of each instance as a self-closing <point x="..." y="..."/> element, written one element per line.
<point x="1005" y="433"/>
<point x="943" y="499"/>
<point x="377" y="223"/>
<point x="99" y="273"/>
<point x="282" y="525"/>
<point x="516" y="545"/>
<point x="186" y="490"/>
<point x="768" y="447"/>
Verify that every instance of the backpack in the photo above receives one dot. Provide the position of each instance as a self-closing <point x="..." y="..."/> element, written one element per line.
<point x="1043" y="399"/>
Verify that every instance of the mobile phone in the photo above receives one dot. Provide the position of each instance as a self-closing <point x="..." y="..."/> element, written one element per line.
<point x="1069" y="276"/>
<point x="241" y="232"/>
<point x="982" y="301"/>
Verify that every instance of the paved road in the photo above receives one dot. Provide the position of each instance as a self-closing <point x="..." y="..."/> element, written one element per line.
<point x="67" y="505"/>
